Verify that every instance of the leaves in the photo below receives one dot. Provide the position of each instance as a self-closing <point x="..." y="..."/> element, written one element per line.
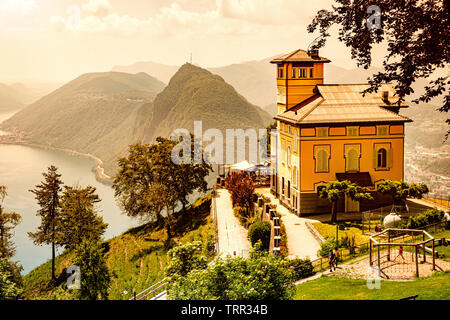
<point x="417" y="38"/>
<point x="8" y="221"/>
<point x="150" y="185"/>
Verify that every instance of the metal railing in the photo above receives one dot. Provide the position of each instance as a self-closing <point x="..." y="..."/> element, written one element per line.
<point x="151" y="292"/>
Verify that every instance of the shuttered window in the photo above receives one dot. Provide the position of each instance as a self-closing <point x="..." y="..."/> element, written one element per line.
<point x="322" y="161"/>
<point x="352" y="160"/>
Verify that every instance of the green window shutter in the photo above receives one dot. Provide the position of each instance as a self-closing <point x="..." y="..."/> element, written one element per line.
<point x="375" y="158"/>
<point x="389" y="158"/>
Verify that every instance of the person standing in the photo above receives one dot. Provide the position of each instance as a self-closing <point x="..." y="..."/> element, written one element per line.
<point x="336" y="258"/>
<point x="447" y="220"/>
<point x="331" y="259"/>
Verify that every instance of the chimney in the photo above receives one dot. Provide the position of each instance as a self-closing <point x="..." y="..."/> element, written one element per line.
<point x="314" y="53"/>
<point x="386" y="97"/>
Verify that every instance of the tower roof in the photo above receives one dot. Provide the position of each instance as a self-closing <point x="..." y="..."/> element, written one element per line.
<point x="299" y="56"/>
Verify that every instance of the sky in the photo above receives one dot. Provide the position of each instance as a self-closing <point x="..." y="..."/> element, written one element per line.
<point x="58" y="40"/>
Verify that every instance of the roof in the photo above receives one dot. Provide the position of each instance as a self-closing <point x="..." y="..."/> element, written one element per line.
<point x="299" y="56"/>
<point x="345" y="104"/>
<point x="362" y="179"/>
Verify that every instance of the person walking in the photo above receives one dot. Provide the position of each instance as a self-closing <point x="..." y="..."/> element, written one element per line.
<point x="331" y="259"/>
<point x="336" y="258"/>
<point x="447" y="220"/>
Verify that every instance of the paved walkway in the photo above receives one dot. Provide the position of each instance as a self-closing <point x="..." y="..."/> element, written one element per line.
<point x="301" y="243"/>
<point x="232" y="235"/>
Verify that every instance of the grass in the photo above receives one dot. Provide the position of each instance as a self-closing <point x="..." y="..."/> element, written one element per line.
<point x="353" y="229"/>
<point x="136" y="259"/>
<point x="336" y="288"/>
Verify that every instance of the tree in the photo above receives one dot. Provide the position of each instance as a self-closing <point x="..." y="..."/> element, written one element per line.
<point x="10" y="281"/>
<point x="149" y="182"/>
<point x="242" y="190"/>
<point x="47" y="195"/>
<point x="260" y="231"/>
<point x="8" y="221"/>
<point x="79" y="219"/>
<point x="333" y="190"/>
<point x="261" y="277"/>
<point x="400" y="190"/>
<point x="95" y="277"/>
<point x="416" y="33"/>
<point x="184" y="258"/>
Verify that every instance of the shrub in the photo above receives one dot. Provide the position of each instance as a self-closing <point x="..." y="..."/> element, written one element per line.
<point x="303" y="268"/>
<point x="260" y="231"/>
<point x="425" y="218"/>
<point x="329" y="243"/>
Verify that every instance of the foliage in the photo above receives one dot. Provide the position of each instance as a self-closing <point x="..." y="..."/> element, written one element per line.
<point x="136" y="259"/>
<point x="261" y="277"/>
<point x="8" y="221"/>
<point x="351" y="230"/>
<point x="333" y="190"/>
<point x="303" y="268"/>
<point x="47" y="195"/>
<point x="242" y="190"/>
<point x="417" y="42"/>
<point x="10" y="282"/>
<point x="325" y="246"/>
<point x="149" y="182"/>
<point x="260" y="231"/>
<point x="79" y="217"/>
<point x="400" y="190"/>
<point x="95" y="276"/>
<point x="425" y="218"/>
<point x="184" y="258"/>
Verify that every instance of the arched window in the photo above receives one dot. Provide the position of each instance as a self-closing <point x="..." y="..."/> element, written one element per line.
<point x="352" y="160"/>
<point x="322" y="161"/>
<point x="382" y="158"/>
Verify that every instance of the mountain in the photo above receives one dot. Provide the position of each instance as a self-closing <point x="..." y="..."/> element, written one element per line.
<point x="81" y="113"/>
<point x="254" y="79"/>
<point x="9" y="99"/>
<point x="159" y="71"/>
<point x="103" y="113"/>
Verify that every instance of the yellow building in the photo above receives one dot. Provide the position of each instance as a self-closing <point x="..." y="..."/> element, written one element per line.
<point x="331" y="132"/>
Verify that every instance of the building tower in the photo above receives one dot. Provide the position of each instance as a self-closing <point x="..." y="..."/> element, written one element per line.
<point x="298" y="73"/>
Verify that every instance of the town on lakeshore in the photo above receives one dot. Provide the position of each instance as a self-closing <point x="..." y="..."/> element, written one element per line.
<point x="278" y="150"/>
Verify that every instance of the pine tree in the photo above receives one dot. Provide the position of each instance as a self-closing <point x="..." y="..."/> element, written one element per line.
<point x="47" y="195"/>
<point x="95" y="277"/>
<point x="8" y="221"/>
<point x="79" y="217"/>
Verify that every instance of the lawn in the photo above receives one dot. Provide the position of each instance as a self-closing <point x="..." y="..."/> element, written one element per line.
<point x="352" y="229"/>
<point x="333" y="288"/>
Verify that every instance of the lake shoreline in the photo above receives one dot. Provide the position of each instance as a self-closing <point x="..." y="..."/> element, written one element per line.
<point x="97" y="169"/>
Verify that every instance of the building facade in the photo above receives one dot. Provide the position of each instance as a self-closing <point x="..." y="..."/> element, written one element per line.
<point x="330" y="132"/>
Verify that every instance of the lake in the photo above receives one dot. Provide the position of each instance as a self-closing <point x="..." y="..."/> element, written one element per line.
<point x="21" y="169"/>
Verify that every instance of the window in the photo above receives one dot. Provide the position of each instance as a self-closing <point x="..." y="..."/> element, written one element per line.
<point x="382" y="158"/>
<point x="289" y="156"/>
<point x="302" y="73"/>
<point x="352" y="160"/>
<point x="322" y="132"/>
<point x="289" y="189"/>
<point x="294" y="174"/>
<point x="283" y="151"/>
<point x="382" y="131"/>
<point x="311" y="73"/>
<point x="282" y="185"/>
<point x="352" y="131"/>
<point x="293" y="72"/>
<point x="280" y="73"/>
<point x="322" y="161"/>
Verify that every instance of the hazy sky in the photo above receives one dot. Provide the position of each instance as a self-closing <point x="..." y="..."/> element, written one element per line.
<point x="57" y="40"/>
